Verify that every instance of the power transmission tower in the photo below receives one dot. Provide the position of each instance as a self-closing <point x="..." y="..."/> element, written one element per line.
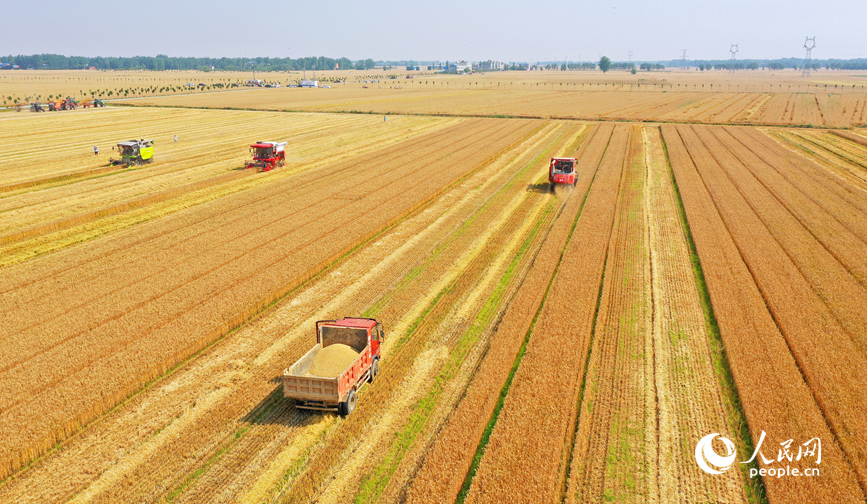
<point x="809" y="45"/>
<point x="683" y="60"/>
<point x="734" y="50"/>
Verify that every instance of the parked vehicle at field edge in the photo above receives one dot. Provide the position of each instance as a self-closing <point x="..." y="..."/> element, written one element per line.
<point x="338" y="393"/>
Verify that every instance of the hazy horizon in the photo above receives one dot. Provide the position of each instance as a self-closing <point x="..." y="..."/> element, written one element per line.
<point x="549" y="30"/>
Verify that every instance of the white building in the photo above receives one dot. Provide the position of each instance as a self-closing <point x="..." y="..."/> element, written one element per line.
<point x="490" y="65"/>
<point x="460" y="66"/>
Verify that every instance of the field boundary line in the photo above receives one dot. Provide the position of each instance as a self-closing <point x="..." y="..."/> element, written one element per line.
<point x="489" y="116"/>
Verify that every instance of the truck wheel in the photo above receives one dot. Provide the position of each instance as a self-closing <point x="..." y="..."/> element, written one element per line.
<point x="348" y="406"/>
<point x="374" y="370"/>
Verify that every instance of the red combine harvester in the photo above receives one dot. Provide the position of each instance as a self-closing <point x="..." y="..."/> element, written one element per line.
<point x="267" y="155"/>
<point x="562" y="171"/>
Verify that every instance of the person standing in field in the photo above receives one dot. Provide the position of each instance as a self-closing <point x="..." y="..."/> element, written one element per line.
<point x="95" y="150"/>
<point x="176" y="139"/>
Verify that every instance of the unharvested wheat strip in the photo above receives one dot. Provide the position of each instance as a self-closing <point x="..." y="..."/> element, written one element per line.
<point x="398" y="483"/>
<point x="852" y="171"/>
<point x="687" y="395"/>
<point x="842" y="199"/>
<point x="443" y="472"/>
<point x="658" y="109"/>
<point x="753" y="341"/>
<point x="838" y="226"/>
<point x="825" y="354"/>
<point x="843" y="145"/>
<point x="831" y="265"/>
<point x="736" y="109"/>
<point x="531" y="429"/>
<point x="724" y="102"/>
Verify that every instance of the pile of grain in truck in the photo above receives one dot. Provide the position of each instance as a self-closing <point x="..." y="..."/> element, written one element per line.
<point x="331" y="360"/>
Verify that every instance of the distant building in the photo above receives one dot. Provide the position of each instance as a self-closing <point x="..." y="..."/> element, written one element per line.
<point x="491" y="66"/>
<point x="413" y="67"/>
<point x="460" y="66"/>
<point x="310" y="83"/>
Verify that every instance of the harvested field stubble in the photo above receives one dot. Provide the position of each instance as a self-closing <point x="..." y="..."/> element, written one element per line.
<point x="221" y="446"/>
<point x="49" y="212"/>
<point x="408" y="451"/>
<point x="776" y="399"/>
<point x="685" y="352"/>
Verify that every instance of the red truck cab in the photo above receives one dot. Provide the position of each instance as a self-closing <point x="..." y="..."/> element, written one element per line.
<point x="562" y="171"/>
<point x="336" y="393"/>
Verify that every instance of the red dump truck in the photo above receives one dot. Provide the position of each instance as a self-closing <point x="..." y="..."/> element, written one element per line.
<point x="328" y="376"/>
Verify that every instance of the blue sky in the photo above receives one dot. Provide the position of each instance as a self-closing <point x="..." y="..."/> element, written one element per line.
<point x="506" y="30"/>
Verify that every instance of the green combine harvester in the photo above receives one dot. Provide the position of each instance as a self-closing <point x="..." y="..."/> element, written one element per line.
<point x="134" y="153"/>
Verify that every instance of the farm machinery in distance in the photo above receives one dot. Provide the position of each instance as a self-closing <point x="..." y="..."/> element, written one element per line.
<point x="134" y="153"/>
<point x="267" y="155"/>
<point x="68" y="103"/>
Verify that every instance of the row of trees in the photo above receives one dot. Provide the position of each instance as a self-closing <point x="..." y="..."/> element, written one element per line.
<point x="779" y="64"/>
<point x="163" y="62"/>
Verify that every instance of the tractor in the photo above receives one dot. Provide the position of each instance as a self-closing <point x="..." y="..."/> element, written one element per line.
<point x="267" y="155"/>
<point x="37" y="107"/>
<point x="562" y="171"/>
<point x="134" y="153"/>
<point x="92" y="102"/>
